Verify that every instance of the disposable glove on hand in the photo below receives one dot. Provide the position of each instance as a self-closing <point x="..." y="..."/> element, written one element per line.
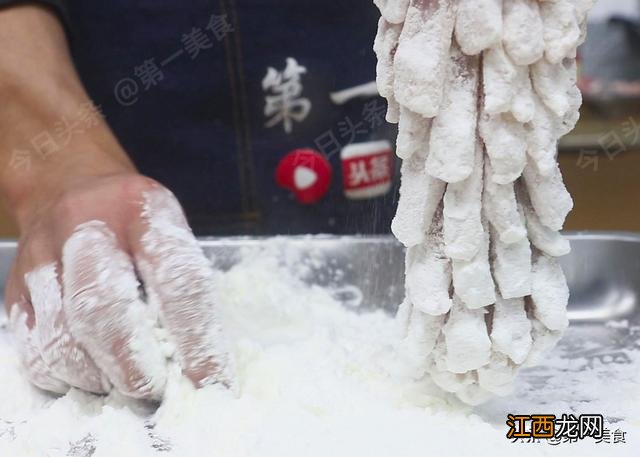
<point x="99" y="269"/>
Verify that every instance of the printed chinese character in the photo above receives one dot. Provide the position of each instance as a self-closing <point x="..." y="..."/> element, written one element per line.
<point x="45" y="144"/>
<point x="20" y="159"/>
<point x="64" y="129"/>
<point x="196" y="41"/>
<point x="305" y="160"/>
<point x="373" y="113"/>
<point x="619" y="436"/>
<point x="567" y="426"/>
<point x="328" y="143"/>
<point x="90" y="115"/>
<point x="543" y="426"/>
<point x="358" y="173"/>
<point x="606" y="436"/>
<point x="517" y="426"/>
<point x="631" y="130"/>
<point x="591" y="425"/>
<point x="588" y="158"/>
<point x="347" y="129"/>
<point x="380" y="167"/>
<point x="555" y="440"/>
<point x="219" y="26"/>
<point x="149" y="73"/>
<point x="285" y="104"/>
<point x="612" y="144"/>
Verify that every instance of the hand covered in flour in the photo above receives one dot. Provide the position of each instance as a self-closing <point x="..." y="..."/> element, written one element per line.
<point x="97" y="268"/>
<point x="104" y="254"/>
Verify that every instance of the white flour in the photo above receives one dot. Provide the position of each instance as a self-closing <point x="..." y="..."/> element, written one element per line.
<point x="312" y="382"/>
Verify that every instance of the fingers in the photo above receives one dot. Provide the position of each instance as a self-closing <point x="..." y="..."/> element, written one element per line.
<point x="106" y="314"/>
<point x="178" y="279"/>
<point x="61" y="352"/>
<point x="36" y="370"/>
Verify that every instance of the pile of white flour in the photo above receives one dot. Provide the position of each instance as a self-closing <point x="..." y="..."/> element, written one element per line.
<point x="312" y="382"/>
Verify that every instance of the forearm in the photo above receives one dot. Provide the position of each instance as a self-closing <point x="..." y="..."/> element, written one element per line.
<point x="50" y="133"/>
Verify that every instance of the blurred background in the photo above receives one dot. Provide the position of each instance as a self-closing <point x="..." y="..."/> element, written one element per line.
<point x="600" y="160"/>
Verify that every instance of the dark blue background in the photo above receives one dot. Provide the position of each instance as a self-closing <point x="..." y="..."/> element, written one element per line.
<point x="200" y="130"/>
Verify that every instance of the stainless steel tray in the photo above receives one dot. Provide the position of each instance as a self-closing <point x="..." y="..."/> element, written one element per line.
<point x="603" y="271"/>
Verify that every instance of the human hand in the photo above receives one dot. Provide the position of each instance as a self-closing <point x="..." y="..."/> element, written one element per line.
<point x="98" y="266"/>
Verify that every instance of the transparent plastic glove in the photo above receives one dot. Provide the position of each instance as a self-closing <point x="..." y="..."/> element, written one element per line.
<point x="99" y="269"/>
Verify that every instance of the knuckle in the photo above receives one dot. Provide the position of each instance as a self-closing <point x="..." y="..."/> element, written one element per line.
<point x="136" y="185"/>
<point x="141" y="388"/>
<point x="70" y="206"/>
<point x="45" y="381"/>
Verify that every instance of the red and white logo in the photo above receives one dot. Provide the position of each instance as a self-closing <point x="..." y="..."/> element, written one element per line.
<point x="306" y="173"/>
<point x="367" y="169"/>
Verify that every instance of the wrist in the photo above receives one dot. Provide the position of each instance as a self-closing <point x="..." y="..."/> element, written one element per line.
<point x="51" y="136"/>
<point x="50" y="181"/>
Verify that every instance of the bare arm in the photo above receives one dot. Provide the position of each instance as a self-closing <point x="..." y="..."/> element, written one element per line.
<point x="93" y="230"/>
<point x="39" y="87"/>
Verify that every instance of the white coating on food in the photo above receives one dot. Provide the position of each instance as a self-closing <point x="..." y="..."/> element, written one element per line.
<point x="523" y="31"/>
<point x="482" y="199"/>
<point x="462" y="213"/>
<point x="452" y="143"/>
<point x="478" y="25"/>
<point x="420" y="59"/>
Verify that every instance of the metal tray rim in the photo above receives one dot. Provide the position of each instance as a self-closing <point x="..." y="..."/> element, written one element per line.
<point x="241" y="239"/>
